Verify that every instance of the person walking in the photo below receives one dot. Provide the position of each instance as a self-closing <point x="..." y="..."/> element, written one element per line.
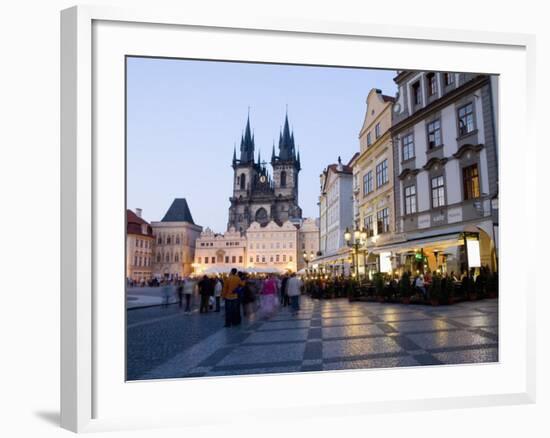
<point x="230" y="295"/>
<point x="218" y="293"/>
<point x="165" y="294"/>
<point x="179" y="290"/>
<point x="282" y="293"/>
<point x="269" y="297"/>
<point x="205" y="291"/>
<point x="293" y="289"/>
<point x="188" y="289"/>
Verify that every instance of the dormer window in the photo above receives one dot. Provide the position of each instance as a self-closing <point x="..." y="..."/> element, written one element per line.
<point x="431" y="82"/>
<point x="416" y="92"/>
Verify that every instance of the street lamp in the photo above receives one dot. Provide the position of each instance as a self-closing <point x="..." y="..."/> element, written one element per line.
<point x="359" y="242"/>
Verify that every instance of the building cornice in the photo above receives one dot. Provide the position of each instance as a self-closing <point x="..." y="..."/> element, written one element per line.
<point x="438" y="104"/>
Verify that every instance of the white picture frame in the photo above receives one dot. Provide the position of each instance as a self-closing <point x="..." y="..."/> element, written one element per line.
<point x="93" y="397"/>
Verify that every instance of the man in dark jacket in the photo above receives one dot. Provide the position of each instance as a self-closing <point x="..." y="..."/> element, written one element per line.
<point x="206" y="290"/>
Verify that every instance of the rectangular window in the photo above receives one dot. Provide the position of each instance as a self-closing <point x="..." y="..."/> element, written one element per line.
<point x="200" y="259"/>
<point x="284" y="257"/>
<point x="449" y="78"/>
<point x="377" y="130"/>
<point x="438" y="192"/>
<point x="434" y="134"/>
<point x="470" y="181"/>
<point x="416" y="92"/>
<point x="466" y="119"/>
<point x="206" y="260"/>
<point x="289" y="258"/>
<point x="368" y="226"/>
<point x="226" y="259"/>
<point x="277" y="258"/>
<point x="382" y="173"/>
<point x="383" y="221"/>
<point x="257" y="259"/>
<point x="240" y="259"/>
<point x="408" y="147"/>
<point x="410" y="199"/>
<point x="233" y="259"/>
<point x="432" y="84"/>
<point x="367" y="183"/>
<point x="369" y="140"/>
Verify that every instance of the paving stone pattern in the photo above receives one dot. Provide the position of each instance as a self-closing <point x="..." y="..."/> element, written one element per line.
<point x="165" y="342"/>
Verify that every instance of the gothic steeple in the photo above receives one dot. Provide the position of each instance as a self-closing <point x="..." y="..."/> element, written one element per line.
<point x="247" y="144"/>
<point x="286" y="143"/>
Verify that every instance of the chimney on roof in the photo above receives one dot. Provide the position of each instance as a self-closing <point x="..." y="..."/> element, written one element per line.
<point x="138" y="212"/>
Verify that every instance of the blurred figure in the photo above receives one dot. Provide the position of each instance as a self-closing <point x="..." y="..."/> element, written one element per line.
<point x="294" y="288"/>
<point x="218" y="293"/>
<point x="230" y="294"/>
<point x="206" y="290"/>
<point x="188" y="289"/>
<point x="269" y="297"/>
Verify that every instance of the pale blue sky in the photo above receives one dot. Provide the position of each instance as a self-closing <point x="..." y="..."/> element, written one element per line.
<point x="184" y="118"/>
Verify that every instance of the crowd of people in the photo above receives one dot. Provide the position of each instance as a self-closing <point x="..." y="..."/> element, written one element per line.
<point x="242" y="295"/>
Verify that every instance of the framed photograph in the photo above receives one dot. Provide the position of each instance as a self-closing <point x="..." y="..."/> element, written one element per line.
<point x="251" y="206"/>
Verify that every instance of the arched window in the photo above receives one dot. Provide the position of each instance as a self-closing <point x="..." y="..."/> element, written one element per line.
<point x="167" y="257"/>
<point x="243" y="181"/>
<point x="159" y="258"/>
<point x="176" y="258"/>
<point x="261" y="216"/>
<point x="283" y="179"/>
<point x="168" y="240"/>
<point x="178" y="239"/>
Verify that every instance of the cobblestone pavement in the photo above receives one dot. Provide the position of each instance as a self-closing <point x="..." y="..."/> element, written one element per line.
<point x="164" y="342"/>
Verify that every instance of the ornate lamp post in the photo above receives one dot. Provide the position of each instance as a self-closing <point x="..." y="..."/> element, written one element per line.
<point x="358" y="243"/>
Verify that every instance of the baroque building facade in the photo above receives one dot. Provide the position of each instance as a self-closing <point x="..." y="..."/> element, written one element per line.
<point x="273" y="247"/>
<point x="219" y="252"/>
<point x="175" y="237"/>
<point x="139" y="247"/>
<point x="257" y="195"/>
<point x="446" y="173"/>
<point x="373" y="191"/>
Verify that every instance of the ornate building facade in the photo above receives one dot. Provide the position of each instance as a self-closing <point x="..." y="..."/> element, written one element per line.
<point x="273" y="246"/>
<point x="219" y="252"/>
<point x="257" y="195"/>
<point x="446" y="172"/>
<point x="175" y="237"/>
<point x="139" y="247"/>
<point x="373" y="178"/>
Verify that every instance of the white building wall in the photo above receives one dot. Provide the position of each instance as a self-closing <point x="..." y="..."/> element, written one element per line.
<point x="448" y="130"/>
<point x="453" y="182"/>
<point x="423" y="191"/>
<point x="420" y="142"/>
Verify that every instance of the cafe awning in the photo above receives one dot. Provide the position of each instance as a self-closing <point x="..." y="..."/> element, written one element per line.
<point x="440" y="241"/>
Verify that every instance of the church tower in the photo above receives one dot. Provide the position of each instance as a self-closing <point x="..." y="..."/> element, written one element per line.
<point x="256" y="196"/>
<point x="286" y="167"/>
